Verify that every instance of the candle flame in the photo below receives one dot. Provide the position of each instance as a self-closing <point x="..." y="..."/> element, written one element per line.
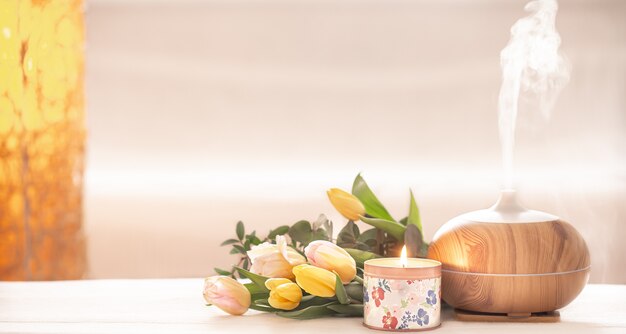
<point x="403" y="259"/>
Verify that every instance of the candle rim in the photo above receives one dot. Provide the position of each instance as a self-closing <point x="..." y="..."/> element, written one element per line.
<point x="411" y="260"/>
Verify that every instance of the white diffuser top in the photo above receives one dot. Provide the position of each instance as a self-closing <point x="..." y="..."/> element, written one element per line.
<point x="508" y="210"/>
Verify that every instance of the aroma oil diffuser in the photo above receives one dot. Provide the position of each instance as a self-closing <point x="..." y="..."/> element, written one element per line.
<point x="510" y="260"/>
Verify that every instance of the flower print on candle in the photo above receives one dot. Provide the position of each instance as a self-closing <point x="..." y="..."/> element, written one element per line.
<point x="389" y="321"/>
<point x="413" y="298"/>
<point x="378" y="294"/>
<point x="398" y="299"/>
<point x="431" y="298"/>
<point x="396" y="310"/>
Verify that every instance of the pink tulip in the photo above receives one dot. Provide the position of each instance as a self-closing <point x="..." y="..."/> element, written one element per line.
<point x="227" y="294"/>
<point x="327" y="255"/>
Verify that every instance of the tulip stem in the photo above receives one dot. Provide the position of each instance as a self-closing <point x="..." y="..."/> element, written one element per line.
<point x="358" y="279"/>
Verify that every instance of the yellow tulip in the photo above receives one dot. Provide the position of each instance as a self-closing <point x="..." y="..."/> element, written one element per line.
<point x="277" y="260"/>
<point x="284" y="294"/>
<point x="347" y="204"/>
<point x="227" y="294"/>
<point x="314" y="280"/>
<point x="327" y="255"/>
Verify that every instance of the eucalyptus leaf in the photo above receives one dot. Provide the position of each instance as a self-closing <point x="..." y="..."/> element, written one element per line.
<point x="319" y="234"/>
<point x="351" y="310"/>
<point x="222" y="272"/>
<point x="301" y="232"/>
<point x="328" y="226"/>
<point x="340" y="292"/>
<point x="240" y="249"/>
<point x="367" y="235"/>
<point x="229" y="242"/>
<point x="256" y="279"/>
<point x="348" y="235"/>
<point x="241" y="231"/>
<point x="372" y="205"/>
<point x="392" y="228"/>
<point x="414" y="214"/>
<point x="280" y="230"/>
<point x="310" y="312"/>
<point x="360" y="256"/>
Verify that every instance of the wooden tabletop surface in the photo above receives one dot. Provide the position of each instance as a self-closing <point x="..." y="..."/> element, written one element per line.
<point x="177" y="306"/>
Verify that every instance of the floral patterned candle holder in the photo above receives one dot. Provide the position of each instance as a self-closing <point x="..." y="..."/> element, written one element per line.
<point x="402" y="294"/>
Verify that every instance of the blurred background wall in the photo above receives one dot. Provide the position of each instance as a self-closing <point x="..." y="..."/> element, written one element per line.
<point x="202" y="113"/>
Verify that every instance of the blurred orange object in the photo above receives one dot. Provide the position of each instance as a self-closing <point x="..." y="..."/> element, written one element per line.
<point x="42" y="138"/>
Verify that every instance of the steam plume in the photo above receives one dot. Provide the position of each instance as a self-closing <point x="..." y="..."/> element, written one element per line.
<point x="531" y="64"/>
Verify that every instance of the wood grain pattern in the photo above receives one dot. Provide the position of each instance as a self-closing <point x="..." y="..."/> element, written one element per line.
<point x="510" y="268"/>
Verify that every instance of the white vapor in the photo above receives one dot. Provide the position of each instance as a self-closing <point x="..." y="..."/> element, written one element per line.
<point x="531" y="64"/>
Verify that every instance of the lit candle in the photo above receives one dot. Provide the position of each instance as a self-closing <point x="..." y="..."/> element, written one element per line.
<point x="402" y="294"/>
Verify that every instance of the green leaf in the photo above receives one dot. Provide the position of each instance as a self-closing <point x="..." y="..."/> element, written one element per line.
<point x="348" y="235"/>
<point x="392" y="228"/>
<point x="280" y="230"/>
<point x="367" y="235"/>
<point x="360" y="256"/>
<point x="319" y="234"/>
<point x="354" y="291"/>
<point x="310" y="312"/>
<point x="424" y="250"/>
<point x="239" y="249"/>
<point x="262" y="308"/>
<point x="235" y="251"/>
<point x="222" y="272"/>
<point x="352" y="310"/>
<point x="301" y="232"/>
<point x="310" y="300"/>
<point x="413" y="240"/>
<point x="229" y="242"/>
<point x="262" y="302"/>
<point x="254" y="289"/>
<point x="372" y="205"/>
<point x="241" y="231"/>
<point x="255" y="240"/>
<point x="340" y="292"/>
<point x="414" y="214"/>
<point x="328" y="226"/>
<point x="256" y="279"/>
<point x="403" y="221"/>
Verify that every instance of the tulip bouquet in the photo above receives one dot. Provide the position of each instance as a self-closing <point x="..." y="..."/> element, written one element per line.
<point x="302" y="272"/>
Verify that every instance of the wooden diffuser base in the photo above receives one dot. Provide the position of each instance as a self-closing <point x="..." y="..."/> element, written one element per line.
<point x="509" y="260"/>
<point x="542" y="317"/>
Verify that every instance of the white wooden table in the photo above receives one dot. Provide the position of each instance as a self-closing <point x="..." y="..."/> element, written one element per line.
<point x="177" y="306"/>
